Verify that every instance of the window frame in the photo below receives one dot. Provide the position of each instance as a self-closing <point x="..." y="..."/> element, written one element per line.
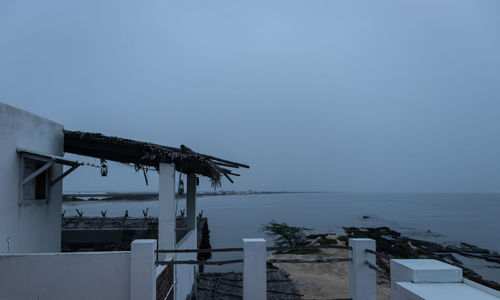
<point x="47" y="166"/>
<point x="46" y="162"/>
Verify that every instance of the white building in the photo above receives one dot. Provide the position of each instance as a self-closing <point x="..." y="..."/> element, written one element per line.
<point x="31" y="173"/>
<point x="32" y="266"/>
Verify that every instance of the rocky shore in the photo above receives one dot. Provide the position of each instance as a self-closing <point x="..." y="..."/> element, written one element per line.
<point x="395" y="245"/>
<point x="331" y="280"/>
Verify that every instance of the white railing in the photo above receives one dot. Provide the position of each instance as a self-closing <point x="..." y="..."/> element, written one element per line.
<point x="362" y="278"/>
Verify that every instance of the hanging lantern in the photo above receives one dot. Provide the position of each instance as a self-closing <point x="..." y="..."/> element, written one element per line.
<point x="104" y="168"/>
<point x="181" y="187"/>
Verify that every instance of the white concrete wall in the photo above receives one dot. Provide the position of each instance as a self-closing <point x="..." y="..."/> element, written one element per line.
<point x="30" y="227"/>
<point x="184" y="274"/>
<point x="52" y="276"/>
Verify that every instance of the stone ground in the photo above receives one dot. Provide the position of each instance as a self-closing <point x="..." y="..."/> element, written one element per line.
<point x="226" y="286"/>
<point x="325" y="280"/>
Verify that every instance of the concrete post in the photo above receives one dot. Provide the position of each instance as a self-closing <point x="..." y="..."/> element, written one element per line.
<point x="362" y="279"/>
<point x="143" y="270"/>
<point x="191" y="202"/>
<point x="254" y="269"/>
<point x="166" y="217"/>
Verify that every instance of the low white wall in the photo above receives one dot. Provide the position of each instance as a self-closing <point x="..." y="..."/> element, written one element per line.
<point x="51" y="276"/>
<point x="184" y="274"/>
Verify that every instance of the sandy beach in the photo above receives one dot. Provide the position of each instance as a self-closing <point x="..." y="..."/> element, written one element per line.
<point x="325" y="280"/>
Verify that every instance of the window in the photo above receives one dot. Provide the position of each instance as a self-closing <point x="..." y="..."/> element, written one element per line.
<point x="35" y="175"/>
<point x="37" y="188"/>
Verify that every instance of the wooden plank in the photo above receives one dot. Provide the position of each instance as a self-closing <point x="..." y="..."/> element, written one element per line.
<point x="60" y="177"/>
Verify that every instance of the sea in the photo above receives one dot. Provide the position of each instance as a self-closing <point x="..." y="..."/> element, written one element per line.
<point x="443" y="218"/>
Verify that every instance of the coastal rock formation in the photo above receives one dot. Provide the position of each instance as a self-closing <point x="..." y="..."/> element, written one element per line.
<point x="395" y="245"/>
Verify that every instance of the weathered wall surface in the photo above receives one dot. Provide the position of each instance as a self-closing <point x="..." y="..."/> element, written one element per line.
<point x="91" y="275"/>
<point x="30" y="227"/>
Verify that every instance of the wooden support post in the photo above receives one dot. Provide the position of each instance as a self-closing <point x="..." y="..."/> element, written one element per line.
<point x="191" y="202"/>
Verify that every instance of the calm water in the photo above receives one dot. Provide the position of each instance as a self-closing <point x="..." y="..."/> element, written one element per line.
<point x="444" y="218"/>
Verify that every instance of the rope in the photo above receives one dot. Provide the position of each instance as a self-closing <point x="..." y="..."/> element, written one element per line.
<point x="199" y="262"/>
<point x="241" y="249"/>
<point x="378" y="270"/>
<point x="307" y="261"/>
<point x="378" y="254"/>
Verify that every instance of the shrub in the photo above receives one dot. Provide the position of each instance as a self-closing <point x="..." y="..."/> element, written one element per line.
<point x="285" y="235"/>
<point x="343" y="238"/>
<point x="328" y="242"/>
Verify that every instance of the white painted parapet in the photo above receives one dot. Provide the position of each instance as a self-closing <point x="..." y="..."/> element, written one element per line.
<point x="74" y="275"/>
<point x="254" y="269"/>
<point x="362" y="279"/>
<point x="143" y="270"/>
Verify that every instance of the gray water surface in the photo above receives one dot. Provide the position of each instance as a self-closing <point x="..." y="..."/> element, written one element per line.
<point x="443" y="218"/>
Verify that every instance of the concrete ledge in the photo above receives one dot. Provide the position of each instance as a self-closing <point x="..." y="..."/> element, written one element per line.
<point x="424" y="270"/>
<point x="439" y="291"/>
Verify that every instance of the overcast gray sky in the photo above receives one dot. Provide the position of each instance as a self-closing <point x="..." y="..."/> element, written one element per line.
<point x="364" y="96"/>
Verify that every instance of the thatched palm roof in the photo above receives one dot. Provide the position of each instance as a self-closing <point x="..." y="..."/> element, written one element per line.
<point x="142" y="154"/>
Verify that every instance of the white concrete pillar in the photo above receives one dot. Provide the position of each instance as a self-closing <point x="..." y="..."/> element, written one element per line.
<point x="143" y="270"/>
<point x="191" y="202"/>
<point x="166" y="217"/>
<point x="254" y="269"/>
<point x="362" y="279"/>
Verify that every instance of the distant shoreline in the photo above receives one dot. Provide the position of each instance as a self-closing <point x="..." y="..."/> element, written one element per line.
<point x="126" y="197"/>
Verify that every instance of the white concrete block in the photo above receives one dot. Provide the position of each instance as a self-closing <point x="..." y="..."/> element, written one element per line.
<point x="254" y="269"/>
<point x="143" y="270"/>
<point x="423" y="270"/>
